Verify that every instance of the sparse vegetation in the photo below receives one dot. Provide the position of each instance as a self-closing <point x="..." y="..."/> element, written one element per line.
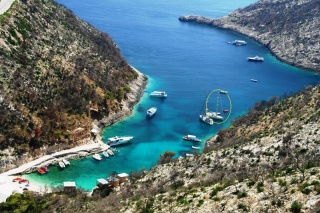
<point x="273" y="150"/>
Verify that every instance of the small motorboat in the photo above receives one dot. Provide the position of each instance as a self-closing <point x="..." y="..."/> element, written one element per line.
<point x="238" y="42"/>
<point x="195" y="147"/>
<point x="256" y="58"/>
<point x="225" y="110"/>
<point x="41" y="171"/>
<point x="110" y="152"/>
<point x="223" y="92"/>
<point x="61" y="165"/>
<point x="158" y="94"/>
<point x="192" y="138"/>
<point x="67" y="163"/>
<point x="105" y="153"/>
<point x="254" y="80"/>
<point x="97" y="157"/>
<point x="151" y="112"/>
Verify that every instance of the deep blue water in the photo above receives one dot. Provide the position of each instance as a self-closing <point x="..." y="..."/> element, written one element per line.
<point x="186" y="60"/>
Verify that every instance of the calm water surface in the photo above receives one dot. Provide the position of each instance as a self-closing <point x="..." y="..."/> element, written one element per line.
<point x="186" y="60"/>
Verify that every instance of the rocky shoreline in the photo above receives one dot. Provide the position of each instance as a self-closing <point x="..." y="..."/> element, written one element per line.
<point x="87" y="146"/>
<point x="293" y="43"/>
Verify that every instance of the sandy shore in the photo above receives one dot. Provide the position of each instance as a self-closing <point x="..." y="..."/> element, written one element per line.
<point x="80" y="151"/>
<point x="8" y="186"/>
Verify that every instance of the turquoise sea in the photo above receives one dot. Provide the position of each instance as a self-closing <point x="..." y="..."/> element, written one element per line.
<point x="186" y="60"/>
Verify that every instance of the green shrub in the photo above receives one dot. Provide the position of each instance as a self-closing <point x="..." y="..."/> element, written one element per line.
<point x="296" y="207"/>
<point x="243" y="207"/>
<point x="242" y="194"/>
<point x="216" y="198"/>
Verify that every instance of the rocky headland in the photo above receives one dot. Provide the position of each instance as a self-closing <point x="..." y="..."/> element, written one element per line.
<point x="59" y="78"/>
<point x="288" y="28"/>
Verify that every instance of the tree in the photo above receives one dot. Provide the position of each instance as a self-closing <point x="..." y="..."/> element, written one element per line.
<point x="166" y="157"/>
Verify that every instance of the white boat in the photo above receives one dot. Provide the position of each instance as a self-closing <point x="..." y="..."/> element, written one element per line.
<point x="223" y="92"/>
<point x="97" y="157"/>
<point x="105" y="153"/>
<point x="67" y="163"/>
<point x="189" y="155"/>
<point x="115" y="141"/>
<point x="110" y="152"/>
<point x="192" y="138"/>
<point x="151" y="112"/>
<point x="215" y="116"/>
<point x="195" y="147"/>
<point x="238" y="42"/>
<point x="206" y="119"/>
<point x="256" y="58"/>
<point x="61" y="165"/>
<point x="159" y="94"/>
<point x="254" y="80"/>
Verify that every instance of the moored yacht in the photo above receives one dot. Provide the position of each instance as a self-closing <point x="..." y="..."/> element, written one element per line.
<point x="256" y="58"/>
<point x="66" y="162"/>
<point x="151" y="112"/>
<point x="223" y="91"/>
<point x="61" y="164"/>
<point x="238" y="42"/>
<point x="115" y="141"/>
<point x="105" y="153"/>
<point x="215" y="116"/>
<point x="97" y="157"/>
<point x="206" y="119"/>
<point x="159" y="94"/>
<point x="192" y="138"/>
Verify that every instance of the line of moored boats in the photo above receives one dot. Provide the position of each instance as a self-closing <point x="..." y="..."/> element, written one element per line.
<point x="242" y="43"/>
<point x="106" y="153"/>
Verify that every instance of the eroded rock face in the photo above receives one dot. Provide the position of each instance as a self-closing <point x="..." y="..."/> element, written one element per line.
<point x="288" y="28"/>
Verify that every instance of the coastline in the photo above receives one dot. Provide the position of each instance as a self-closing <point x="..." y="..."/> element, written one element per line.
<point x="90" y="145"/>
<point x="281" y="52"/>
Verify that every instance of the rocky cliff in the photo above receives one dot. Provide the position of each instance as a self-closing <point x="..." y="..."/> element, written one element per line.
<point x="267" y="161"/>
<point x="288" y="28"/>
<point x="57" y="75"/>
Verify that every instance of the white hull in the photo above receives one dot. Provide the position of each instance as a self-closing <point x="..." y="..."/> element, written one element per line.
<point x="97" y="157"/>
<point x="192" y="138"/>
<point x="105" y="153"/>
<point x="115" y="141"/>
<point x="67" y="163"/>
<point x="61" y="165"/>
<point x="158" y="94"/>
<point x="110" y="152"/>
<point x="206" y="119"/>
<point x="215" y="116"/>
<point x="256" y="58"/>
<point x="151" y="112"/>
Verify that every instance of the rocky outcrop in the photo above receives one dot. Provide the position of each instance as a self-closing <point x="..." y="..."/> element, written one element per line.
<point x="268" y="162"/>
<point x="288" y="28"/>
<point x="58" y="74"/>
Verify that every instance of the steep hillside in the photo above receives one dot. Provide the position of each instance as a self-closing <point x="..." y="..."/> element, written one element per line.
<point x="57" y="74"/>
<point x="288" y="28"/>
<point x="267" y="161"/>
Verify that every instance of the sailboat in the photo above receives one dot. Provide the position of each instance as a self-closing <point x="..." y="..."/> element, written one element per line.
<point x="216" y="115"/>
<point x="205" y="117"/>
